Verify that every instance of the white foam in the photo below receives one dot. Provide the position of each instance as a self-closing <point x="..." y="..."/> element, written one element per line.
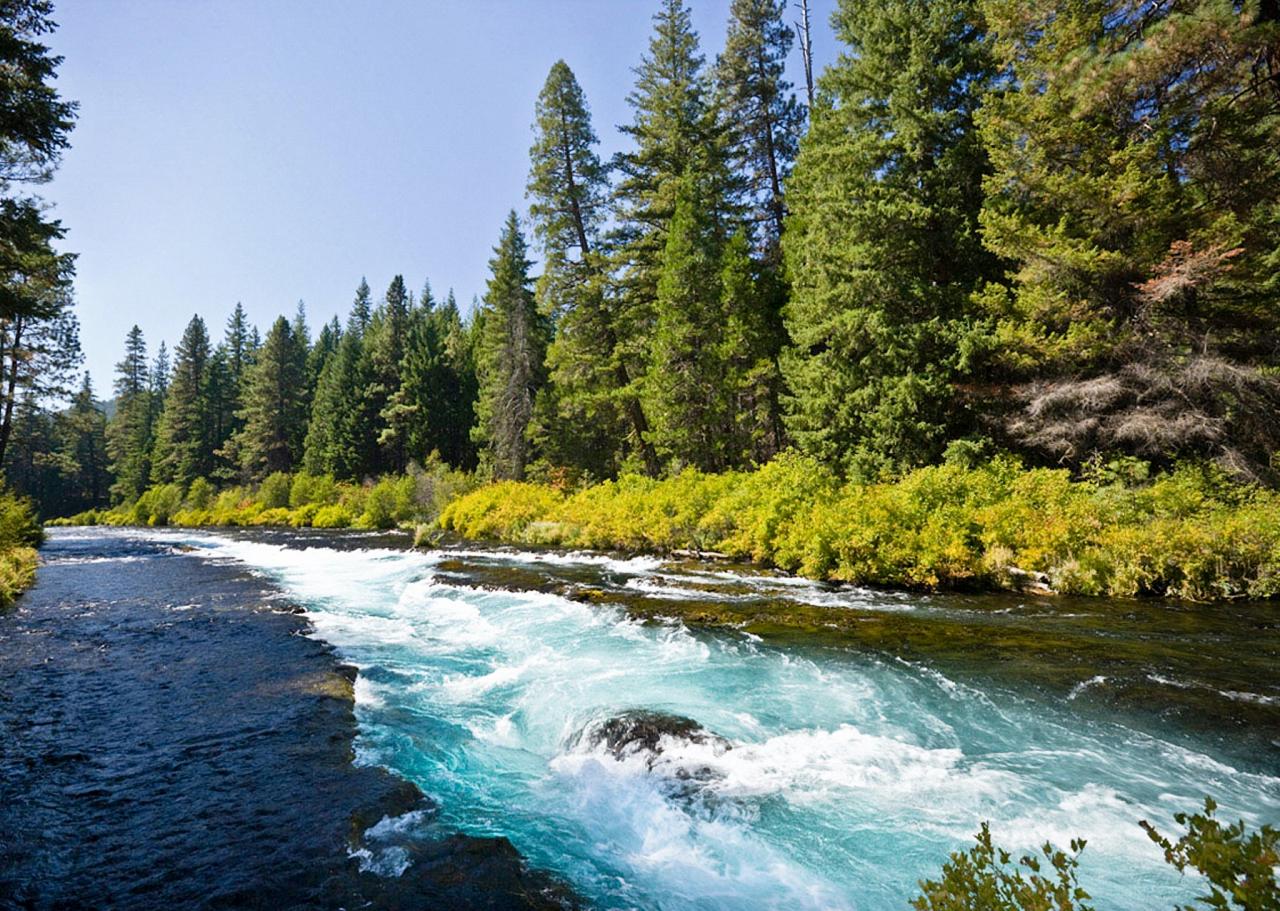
<point x="632" y="565"/>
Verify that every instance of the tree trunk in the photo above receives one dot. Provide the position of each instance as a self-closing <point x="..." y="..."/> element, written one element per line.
<point x="10" y="389"/>
<point x="806" y="50"/>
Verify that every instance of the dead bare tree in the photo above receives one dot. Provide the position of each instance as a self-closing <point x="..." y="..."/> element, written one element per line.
<point x="806" y="49"/>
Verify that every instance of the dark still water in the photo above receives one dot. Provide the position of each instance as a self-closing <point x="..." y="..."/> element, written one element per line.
<point x="168" y="739"/>
<point x="174" y="735"/>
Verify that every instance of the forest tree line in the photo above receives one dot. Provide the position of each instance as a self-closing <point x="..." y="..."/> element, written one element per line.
<point x="1050" y="227"/>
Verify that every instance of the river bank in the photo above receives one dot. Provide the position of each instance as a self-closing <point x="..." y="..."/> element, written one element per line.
<point x="1190" y="534"/>
<point x="171" y="739"/>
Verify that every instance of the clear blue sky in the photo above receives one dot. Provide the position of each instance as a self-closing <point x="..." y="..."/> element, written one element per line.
<point x="271" y="151"/>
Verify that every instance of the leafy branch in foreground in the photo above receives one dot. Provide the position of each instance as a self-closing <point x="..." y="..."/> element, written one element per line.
<point x="982" y="878"/>
<point x="1239" y="865"/>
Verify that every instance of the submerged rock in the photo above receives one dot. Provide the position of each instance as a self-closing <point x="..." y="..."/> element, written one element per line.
<point x="644" y="731"/>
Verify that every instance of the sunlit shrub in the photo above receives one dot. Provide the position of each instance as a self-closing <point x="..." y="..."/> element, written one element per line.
<point x="380" y="505"/>
<point x="19" y="525"/>
<point x="157" y="505"/>
<point x="332" y="516"/>
<point x="309" y="489"/>
<point x="436" y="485"/>
<point x="500" y="510"/>
<point x="983" y="878"/>
<point x="275" y="516"/>
<point x="200" y="494"/>
<point x="303" y="516"/>
<point x="17" y="571"/>
<point x="764" y="516"/>
<point x="274" y="491"/>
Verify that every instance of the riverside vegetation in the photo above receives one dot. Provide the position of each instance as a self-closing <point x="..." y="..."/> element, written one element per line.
<point x="1192" y="533"/>
<point x="992" y="305"/>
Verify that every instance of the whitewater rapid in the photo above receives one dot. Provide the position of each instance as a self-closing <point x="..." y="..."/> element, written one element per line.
<point x="848" y="777"/>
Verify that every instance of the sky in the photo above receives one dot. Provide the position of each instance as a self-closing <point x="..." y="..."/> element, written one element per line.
<point x="271" y="151"/>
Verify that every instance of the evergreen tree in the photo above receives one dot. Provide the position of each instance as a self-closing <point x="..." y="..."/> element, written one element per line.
<point x="595" y="402"/>
<point x="184" y="447"/>
<point x="341" y="436"/>
<point x="82" y="452"/>
<point x="275" y="407"/>
<point x="435" y="402"/>
<point x="224" y="401"/>
<point x="39" y="355"/>
<point x="301" y="330"/>
<point x="129" y="438"/>
<point x="237" y="343"/>
<point x="686" y="382"/>
<point x="761" y="118"/>
<point x="324" y="348"/>
<point x="673" y="124"/>
<point x="882" y="243"/>
<point x="33" y="133"/>
<point x="1136" y="185"/>
<point x="749" y="348"/>
<point x="361" y="309"/>
<point x="510" y="358"/>
<point x="386" y="347"/>
<point x="161" y="374"/>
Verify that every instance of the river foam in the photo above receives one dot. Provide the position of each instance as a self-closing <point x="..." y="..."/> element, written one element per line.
<point x="844" y="781"/>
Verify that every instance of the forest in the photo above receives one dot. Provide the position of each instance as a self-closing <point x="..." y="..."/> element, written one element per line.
<point x="1041" y="233"/>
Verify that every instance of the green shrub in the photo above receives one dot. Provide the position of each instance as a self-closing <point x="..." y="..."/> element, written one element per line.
<point x="1190" y="534"/>
<point x="500" y="510"/>
<point x="763" y="517"/>
<point x="332" y="516"/>
<point x="436" y="485"/>
<point x="380" y="505"/>
<point x="310" y="489"/>
<point x="19" y="524"/>
<point x="1239" y="867"/>
<point x="304" y="515"/>
<point x="200" y="494"/>
<point x="982" y="878"/>
<point x="17" y="571"/>
<point x="275" y="490"/>
<point x="157" y="505"/>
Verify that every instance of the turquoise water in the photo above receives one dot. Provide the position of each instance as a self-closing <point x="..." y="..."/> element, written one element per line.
<point x="848" y="778"/>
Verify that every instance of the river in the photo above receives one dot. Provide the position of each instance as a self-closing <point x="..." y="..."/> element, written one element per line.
<point x="826" y="767"/>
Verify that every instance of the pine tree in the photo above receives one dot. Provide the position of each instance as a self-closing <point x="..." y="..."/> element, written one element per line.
<point x="761" y="122"/>
<point x="686" y="382"/>
<point x="237" y="344"/>
<point x="594" y="399"/>
<point x="324" y="348"/>
<point x="301" y="330"/>
<point x="275" y="407"/>
<point x="1135" y="185"/>
<point x="882" y="244"/>
<point x="511" y="356"/>
<point x="457" y="411"/>
<point x="385" y="344"/>
<point x="33" y="134"/>
<point x="184" y="447"/>
<point x="361" y="309"/>
<point x="341" y="436"/>
<point x="82" y="451"/>
<point x="761" y="118"/>
<point x="161" y="373"/>
<point x="673" y="123"/>
<point x="39" y="355"/>
<point x="129" y="437"/>
<point x="749" y="348"/>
